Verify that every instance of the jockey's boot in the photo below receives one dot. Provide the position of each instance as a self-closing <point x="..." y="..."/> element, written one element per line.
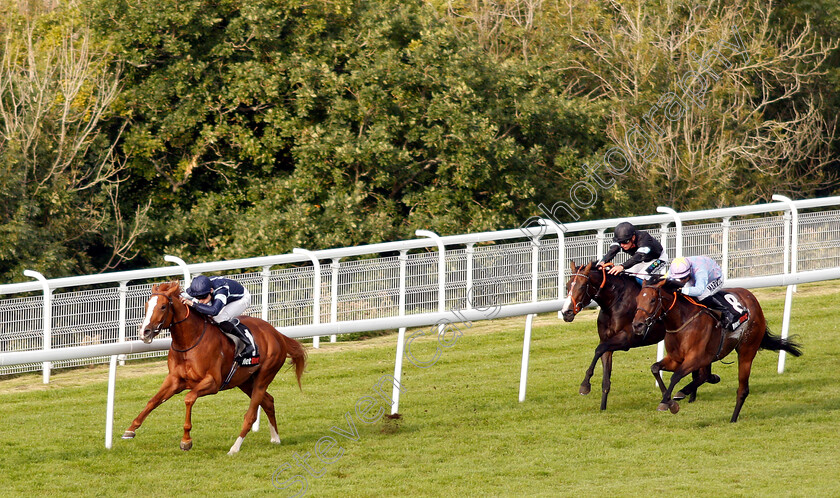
<point x="249" y="356"/>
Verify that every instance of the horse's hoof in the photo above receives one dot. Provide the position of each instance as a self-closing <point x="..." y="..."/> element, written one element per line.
<point x="663" y="407"/>
<point x="128" y="435"/>
<point x="675" y="407"/>
<point x="679" y="395"/>
<point x="584" y="389"/>
<point x="714" y="379"/>
<point x="186" y="445"/>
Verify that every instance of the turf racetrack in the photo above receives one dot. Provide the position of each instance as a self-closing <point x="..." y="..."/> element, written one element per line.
<point x="462" y="433"/>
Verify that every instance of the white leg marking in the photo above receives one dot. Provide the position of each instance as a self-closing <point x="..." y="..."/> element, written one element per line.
<point x="235" y="448"/>
<point x="275" y="438"/>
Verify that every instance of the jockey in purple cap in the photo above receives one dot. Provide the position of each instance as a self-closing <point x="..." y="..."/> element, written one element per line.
<point x="702" y="278"/>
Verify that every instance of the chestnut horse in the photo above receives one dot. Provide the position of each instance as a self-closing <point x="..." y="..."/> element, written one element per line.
<point x="201" y="357"/>
<point x="695" y="338"/>
<point x="616" y="295"/>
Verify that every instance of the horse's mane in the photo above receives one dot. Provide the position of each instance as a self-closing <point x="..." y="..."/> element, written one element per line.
<point x="169" y="286"/>
<point x="621" y="277"/>
<point x="667" y="286"/>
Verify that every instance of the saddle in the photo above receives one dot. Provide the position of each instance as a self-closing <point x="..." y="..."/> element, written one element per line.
<point x="238" y="344"/>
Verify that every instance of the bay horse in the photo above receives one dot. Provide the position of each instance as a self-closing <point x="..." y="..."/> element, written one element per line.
<point x="694" y="337"/>
<point x="616" y="295"/>
<point x="201" y="357"/>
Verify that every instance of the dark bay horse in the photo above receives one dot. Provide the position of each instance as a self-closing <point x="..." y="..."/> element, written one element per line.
<point x="201" y="357"/>
<point x="616" y="295"/>
<point x="695" y="338"/>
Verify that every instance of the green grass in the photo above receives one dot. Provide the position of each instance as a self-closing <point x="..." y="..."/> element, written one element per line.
<point x="463" y="431"/>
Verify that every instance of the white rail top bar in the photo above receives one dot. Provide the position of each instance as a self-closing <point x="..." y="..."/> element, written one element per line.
<point x="387" y="323"/>
<point x="409" y="244"/>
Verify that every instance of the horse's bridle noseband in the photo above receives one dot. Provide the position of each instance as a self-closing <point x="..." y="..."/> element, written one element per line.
<point x="576" y="307"/>
<point x="658" y="314"/>
<point x="172" y="324"/>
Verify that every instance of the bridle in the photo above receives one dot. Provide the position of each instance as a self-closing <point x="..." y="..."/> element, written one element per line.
<point x="658" y="314"/>
<point x="576" y="307"/>
<point x="171" y="317"/>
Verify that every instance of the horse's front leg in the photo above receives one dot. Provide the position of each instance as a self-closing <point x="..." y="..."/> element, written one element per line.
<point x="698" y="378"/>
<point x="667" y="403"/>
<point x="171" y="386"/>
<point x="208" y="385"/>
<point x="666" y="364"/>
<point x="585" y="386"/>
<point x="606" y="360"/>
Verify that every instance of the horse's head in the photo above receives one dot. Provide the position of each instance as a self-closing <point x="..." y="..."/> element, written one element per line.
<point x="159" y="310"/>
<point x="650" y="305"/>
<point x="579" y="290"/>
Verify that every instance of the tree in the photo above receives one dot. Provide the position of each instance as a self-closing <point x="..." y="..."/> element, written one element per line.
<point x="60" y="180"/>
<point x="747" y="127"/>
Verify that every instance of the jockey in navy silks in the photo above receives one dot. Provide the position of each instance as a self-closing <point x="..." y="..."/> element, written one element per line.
<point x="224" y="300"/>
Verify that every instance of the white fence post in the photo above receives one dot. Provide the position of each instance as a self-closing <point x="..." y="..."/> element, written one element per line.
<point x="470" y="252"/>
<point x="265" y="291"/>
<point x="678" y="240"/>
<point x="109" y="410"/>
<point x="122" y="316"/>
<point x="47" y="317"/>
<point x="316" y="290"/>
<point x="794" y="220"/>
<point x="561" y="264"/>
<point x="663" y="237"/>
<point x="724" y="258"/>
<point x="334" y="266"/>
<point x="395" y="394"/>
<point x="441" y="271"/>
<point x="526" y="344"/>
<point x="184" y="268"/>
<point x="599" y="244"/>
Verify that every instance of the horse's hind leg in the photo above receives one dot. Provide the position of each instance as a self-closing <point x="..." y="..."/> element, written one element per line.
<point x="257" y="394"/>
<point x="606" y="360"/>
<point x="744" y="367"/>
<point x="268" y="407"/>
<point x="170" y="387"/>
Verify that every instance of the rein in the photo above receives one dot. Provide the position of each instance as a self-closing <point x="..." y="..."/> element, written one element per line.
<point x="172" y="324"/>
<point x="657" y="313"/>
<point x="577" y="307"/>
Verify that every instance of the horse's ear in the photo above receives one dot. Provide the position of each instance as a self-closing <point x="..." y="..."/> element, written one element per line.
<point x="155" y="287"/>
<point x="588" y="266"/>
<point x="572" y="265"/>
<point x="660" y="283"/>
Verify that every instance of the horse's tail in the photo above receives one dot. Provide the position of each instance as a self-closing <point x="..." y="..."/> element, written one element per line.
<point x="775" y="343"/>
<point x="297" y="353"/>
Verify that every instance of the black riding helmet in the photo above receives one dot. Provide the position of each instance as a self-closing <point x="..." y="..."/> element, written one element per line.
<point x="624" y="232"/>
<point x="200" y="287"/>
